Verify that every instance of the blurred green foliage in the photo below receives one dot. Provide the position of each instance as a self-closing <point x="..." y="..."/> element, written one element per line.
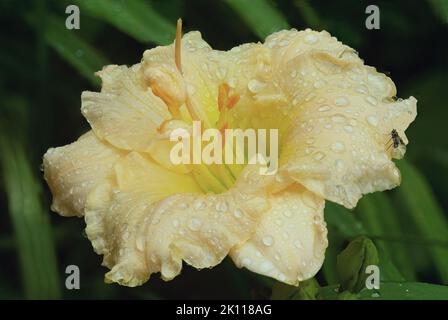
<point x="44" y="68"/>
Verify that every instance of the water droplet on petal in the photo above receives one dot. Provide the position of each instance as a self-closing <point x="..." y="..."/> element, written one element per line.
<point x="311" y="39"/>
<point x="372" y="120"/>
<point x="338" y="146"/>
<point x="318" y="156"/>
<point x="266" y="266"/>
<point x="348" y="128"/>
<point x="238" y="213"/>
<point x="268" y="241"/>
<point x="323" y="108"/>
<point x="222" y="206"/>
<point x="371" y="100"/>
<point x="319" y="84"/>
<point x="195" y="224"/>
<point x="255" y="85"/>
<point x="298" y="244"/>
<point x="341" y="101"/>
<point x="140" y="243"/>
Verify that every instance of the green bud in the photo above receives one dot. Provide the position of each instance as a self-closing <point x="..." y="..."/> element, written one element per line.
<point x="352" y="263"/>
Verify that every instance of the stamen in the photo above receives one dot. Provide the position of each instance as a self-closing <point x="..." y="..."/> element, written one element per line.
<point x="177" y="45"/>
<point x="178" y="62"/>
<point x="223" y="94"/>
<point x="233" y="100"/>
<point x="223" y="135"/>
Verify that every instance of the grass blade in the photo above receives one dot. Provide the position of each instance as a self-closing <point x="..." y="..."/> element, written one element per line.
<point x="30" y="221"/>
<point x="416" y="195"/>
<point x="406" y="291"/>
<point x="135" y="18"/>
<point x="380" y="218"/>
<point x="74" y="50"/>
<point x="260" y="15"/>
<point x="349" y="226"/>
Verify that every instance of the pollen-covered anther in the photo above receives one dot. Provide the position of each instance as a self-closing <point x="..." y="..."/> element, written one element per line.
<point x="225" y="100"/>
<point x="223" y="96"/>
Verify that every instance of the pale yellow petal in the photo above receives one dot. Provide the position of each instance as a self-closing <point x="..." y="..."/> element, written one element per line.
<point x="72" y="171"/>
<point x="290" y="241"/>
<point x="139" y="237"/>
<point x="338" y="143"/>
<point x="125" y="113"/>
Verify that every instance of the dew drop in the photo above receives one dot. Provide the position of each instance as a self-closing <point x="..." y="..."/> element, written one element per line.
<point x="238" y="213"/>
<point x="323" y="108"/>
<point x="222" y="206"/>
<point x="319" y="84"/>
<point x="318" y="156"/>
<point x="362" y="89"/>
<point x="199" y="204"/>
<point x="371" y="100"/>
<point x="341" y="101"/>
<point x="140" y="243"/>
<point x="195" y="224"/>
<point x="348" y="128"/>
<point x="338" y="146"/>
<point x="372" y="120"/>
<point x="298" y="244"/>
<point x="266" y="266"/>
<point x="338" y="118"/>
<point x="255" y="85"/>
<point x="268" y="241"/>
<point x="311" y="39"/>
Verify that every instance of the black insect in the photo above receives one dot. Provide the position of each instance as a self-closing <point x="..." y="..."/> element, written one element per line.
<point x="396" y="140"/>
<point x="399" y="147"/>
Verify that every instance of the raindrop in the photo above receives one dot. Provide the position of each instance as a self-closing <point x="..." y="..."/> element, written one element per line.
<point x="311" y="39"/>
<point x="255" y="86"/>
<point x="268" y="241"/>
<point x="338" y="146"/>
<point x="195" y="224"/>
<point x="318" y="156"/>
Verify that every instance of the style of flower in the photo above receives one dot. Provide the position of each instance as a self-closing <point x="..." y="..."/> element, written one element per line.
<point x="145" y="215"/>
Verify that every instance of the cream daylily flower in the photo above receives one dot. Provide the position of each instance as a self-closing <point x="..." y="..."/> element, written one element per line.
<point x="145" y="215"/>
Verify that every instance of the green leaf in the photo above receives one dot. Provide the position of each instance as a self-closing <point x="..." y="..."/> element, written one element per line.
<point x="86" y="59"/>
<point x="380" y="218"/>
<point x="349" y="226"/>
<point x="136" y="18"/>
<point x="353" y="261"/>
<point x="440" y="8"/>
<point x="416" y="195"/>
<point x="343" y="220"/>
<point x="307" y="290"/>
<point x="31" y="224"/>
<point x="406" y="291"/>
<point x="260" y="15"/>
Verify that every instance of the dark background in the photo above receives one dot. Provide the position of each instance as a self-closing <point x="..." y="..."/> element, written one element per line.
<point x="45" y="67"/>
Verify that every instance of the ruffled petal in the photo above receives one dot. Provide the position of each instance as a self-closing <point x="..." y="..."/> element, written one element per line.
<point x="290" y="241"/>
<point x="125" y="113"/>
<point x="72" y="171"/>
<point x="338" y="143"/>
<point x="139" y="237"/>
